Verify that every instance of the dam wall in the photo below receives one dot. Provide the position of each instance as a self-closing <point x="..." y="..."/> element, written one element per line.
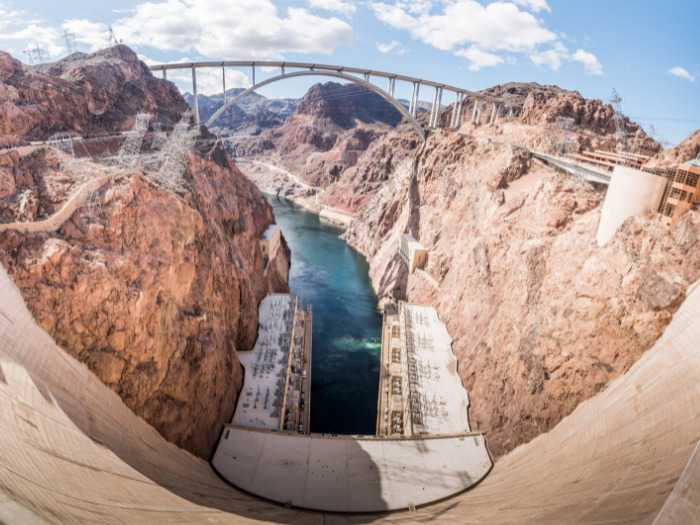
<point x="72" y="452"/>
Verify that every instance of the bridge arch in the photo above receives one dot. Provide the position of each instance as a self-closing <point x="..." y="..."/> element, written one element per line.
<point x="337" y="74"/>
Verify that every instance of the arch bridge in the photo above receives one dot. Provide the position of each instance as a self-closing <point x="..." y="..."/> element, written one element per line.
<point x="363" y="77"/>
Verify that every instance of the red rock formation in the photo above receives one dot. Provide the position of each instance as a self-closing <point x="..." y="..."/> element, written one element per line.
<point x="542" y="318"/>
<point x="155" y="292"/>
<point x="683" y="152"/>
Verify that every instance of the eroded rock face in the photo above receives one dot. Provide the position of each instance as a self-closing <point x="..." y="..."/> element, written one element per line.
<point x="542" y="318"/>
<point x="154" y="291"/>
<point x="157" y="293"/>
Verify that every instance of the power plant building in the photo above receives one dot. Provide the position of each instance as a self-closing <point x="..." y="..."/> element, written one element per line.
<point x="412" y="252"/>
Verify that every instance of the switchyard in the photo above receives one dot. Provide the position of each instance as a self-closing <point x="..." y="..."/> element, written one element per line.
<point x="276" y="392"/>
<point x="420" y="392"/>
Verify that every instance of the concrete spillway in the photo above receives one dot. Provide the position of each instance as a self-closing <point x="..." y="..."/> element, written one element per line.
<point x="72" y="452"/>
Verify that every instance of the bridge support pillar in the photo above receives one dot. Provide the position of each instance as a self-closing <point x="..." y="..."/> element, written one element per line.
<point x="493" y="113"/>
<point x="196" y="100"/>
<point x="412" y="103"/>
<point x="453" y="120"/>
<point x="459" y="109"/>
<point x="476" y="103"/>
<point x="165" y="74"/>
<point x="366" y="77"/>
<point x="432" y="108"/>
<point x="498" y="112"/>
<point x="416" y="88"/>
<point x="478" y="113"/>
<point x="223" y="76"/>
<point x="390" y="88"/>
<point x="253" y="67"/>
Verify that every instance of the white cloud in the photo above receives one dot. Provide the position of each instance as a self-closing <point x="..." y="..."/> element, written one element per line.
<point x="392" y="46"/>
<point x="35" y="36"/>
<point x="93" y="34"/>
<point x="495" y="27"/>
<point x="534" y="5"/>
<point x="339" y="6"/>
<point x="231" y="28"/>
<point x="589" y="60"/>
<point x="479" y="58"/>
<point x="681" y="73"/>
<point x="551" y="58"/>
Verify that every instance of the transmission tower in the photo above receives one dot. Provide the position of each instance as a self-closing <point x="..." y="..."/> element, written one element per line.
<point x="112" y="39"/>
<point x="174" y="154"/>
<point x="128" y="156"/>
<point x="36" y="54"/>
<point x="619" y="120"/>
<point x="566" y="138"/>
<point x="69" y="39"/>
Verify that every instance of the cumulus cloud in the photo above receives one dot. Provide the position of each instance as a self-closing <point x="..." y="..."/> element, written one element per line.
<point x="554" y="56"/>
<point x="681" y="73"/>
<point x="479" y="58"/>
<point x="534" y="5"/>
<point x="392" y="46"/>
<point x="93" y="34"/>
<point x="486" y="35"/>
<point x="338" y="6"/>
<point x="589" y="60"/>
<point x="231" y="28"/>
<point x="34" y="36"/>
<point x="467" y="28"/>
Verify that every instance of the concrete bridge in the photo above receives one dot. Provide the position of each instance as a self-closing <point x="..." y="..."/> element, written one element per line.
<point x="364" y="77"/>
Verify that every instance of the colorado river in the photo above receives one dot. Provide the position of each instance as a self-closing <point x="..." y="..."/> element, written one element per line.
<point x="346" y="327"/>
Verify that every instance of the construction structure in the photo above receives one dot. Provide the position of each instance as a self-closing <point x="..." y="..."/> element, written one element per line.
<point x="269" y="243"/>
<point x="682" y="191"/>
<point x="420" y="393"/>
<point x="412" y="252"/>
<point x="276" y="385"/>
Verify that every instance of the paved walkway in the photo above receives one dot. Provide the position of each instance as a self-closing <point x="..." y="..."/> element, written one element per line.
<point x="54" y="222"/>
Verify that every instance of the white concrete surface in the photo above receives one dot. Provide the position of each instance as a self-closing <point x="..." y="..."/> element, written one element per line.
<point x="444" y="401"/>
<point x="347" y="473"/>
<point x="71" y="452"/>
<point x="631" y="192"/>
<point x="259" y="404"/>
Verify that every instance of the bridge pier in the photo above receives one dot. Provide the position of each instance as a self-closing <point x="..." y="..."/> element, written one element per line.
<point x="454" y="110"/>
<point x="194" y="92"/>
<point x="478" y="113"/>
<point x="435" y="110"/>
<point x="493" y="113"/>
<point x="476" y="103"/>
<point x="223" y="76"/>
<point x="498" y="112"/>
<point x="459" y="109"/>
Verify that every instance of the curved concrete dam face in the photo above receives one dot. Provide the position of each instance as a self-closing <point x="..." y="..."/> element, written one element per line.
<point x="72" y="452"/>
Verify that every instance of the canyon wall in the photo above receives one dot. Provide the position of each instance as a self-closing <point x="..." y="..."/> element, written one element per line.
<point x="542" y="318"/>
<point x="154" y="291"/>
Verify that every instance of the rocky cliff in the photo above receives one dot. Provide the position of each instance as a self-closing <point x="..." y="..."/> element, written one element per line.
<point x="154" y="291"/>
<point x="542" y="318"/>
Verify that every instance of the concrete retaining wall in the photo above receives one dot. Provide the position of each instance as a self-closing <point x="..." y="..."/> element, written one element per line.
<point x="631" y="192"/>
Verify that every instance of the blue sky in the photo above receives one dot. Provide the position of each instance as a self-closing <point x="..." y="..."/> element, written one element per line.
<point x="648" y="50"/>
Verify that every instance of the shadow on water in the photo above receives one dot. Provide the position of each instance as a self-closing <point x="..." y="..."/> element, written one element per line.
<point x="334" y="278"/>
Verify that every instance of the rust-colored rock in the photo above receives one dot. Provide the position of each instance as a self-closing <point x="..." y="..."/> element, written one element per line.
<point x="542" y="318"/>
<point x="155" y="292"/>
